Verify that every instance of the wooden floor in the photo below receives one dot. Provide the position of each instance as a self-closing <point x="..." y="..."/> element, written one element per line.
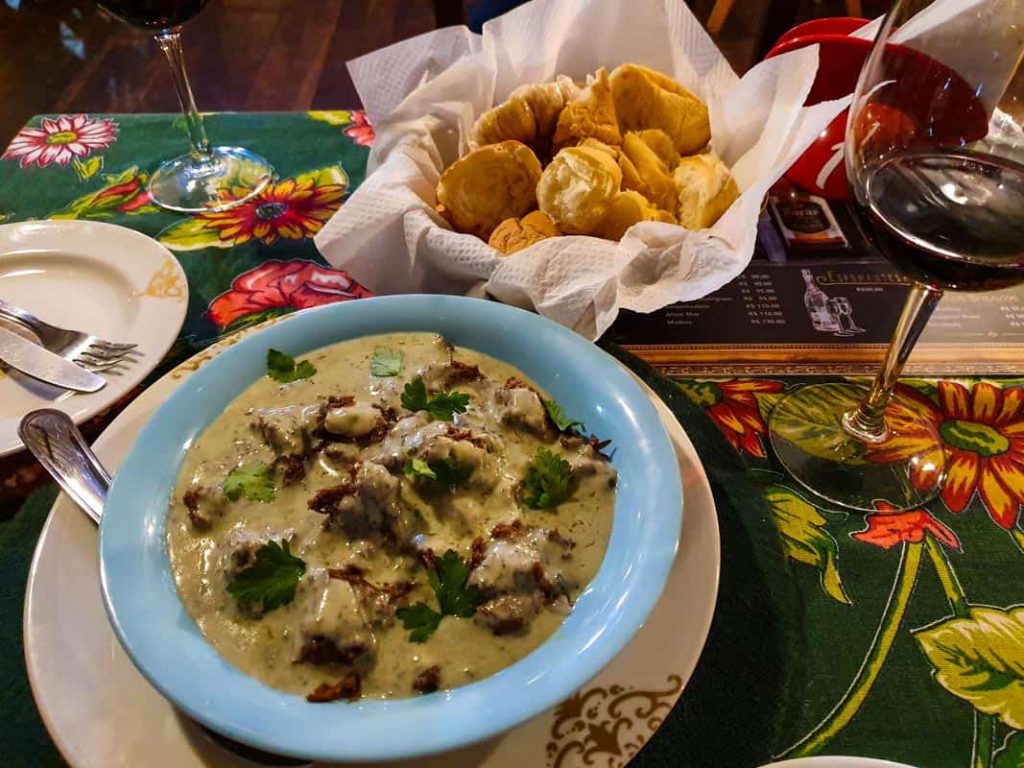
<point x="66" y="56"/>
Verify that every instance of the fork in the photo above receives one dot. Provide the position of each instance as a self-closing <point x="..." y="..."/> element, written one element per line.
<point x="89" y="351"/>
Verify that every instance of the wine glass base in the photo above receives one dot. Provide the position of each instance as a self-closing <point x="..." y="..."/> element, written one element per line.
<point x="224" y="179"/>
<point x="906" y="471"/>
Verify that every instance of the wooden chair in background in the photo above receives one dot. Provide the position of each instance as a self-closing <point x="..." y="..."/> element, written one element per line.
<point x="720" y="12"/>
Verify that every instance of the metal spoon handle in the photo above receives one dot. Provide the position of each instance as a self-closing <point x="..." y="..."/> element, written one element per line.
<point x="55" y="440"/>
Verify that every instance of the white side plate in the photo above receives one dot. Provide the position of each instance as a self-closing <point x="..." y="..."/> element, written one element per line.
<point x="98" y="278"/>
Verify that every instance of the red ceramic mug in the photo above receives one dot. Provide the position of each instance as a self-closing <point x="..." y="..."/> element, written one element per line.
<point x="821" y="169"/>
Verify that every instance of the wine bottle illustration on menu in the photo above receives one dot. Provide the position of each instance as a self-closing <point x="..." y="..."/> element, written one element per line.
<point x="819" y="309"/>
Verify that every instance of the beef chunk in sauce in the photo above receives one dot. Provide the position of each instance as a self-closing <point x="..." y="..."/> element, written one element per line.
<point x="288" y="430"/>
<point x="364" y="505"/>
<point x="379" y="601"/>
<point x="518" y="405"/>
<point x="521" y="570"/>
<point x="443" y="376"/>
<point x="349" y="687"/>
<point x="428" y="680"/>
<point x="335" y="628"/>
<point x="359" y="420"/>
<point x="205" y="505"/>
<point x="291" y="470"/>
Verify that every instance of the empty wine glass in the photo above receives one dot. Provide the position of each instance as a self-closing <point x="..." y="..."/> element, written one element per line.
<point x="934" y="159"/>
<point x="207" y="178"/>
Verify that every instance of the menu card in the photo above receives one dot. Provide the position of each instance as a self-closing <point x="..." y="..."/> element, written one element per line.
<point x="818" y="298"/>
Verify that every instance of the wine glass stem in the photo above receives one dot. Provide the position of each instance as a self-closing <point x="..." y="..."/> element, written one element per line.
<point x="867" y="421"/>
<point x="170" y="43"/>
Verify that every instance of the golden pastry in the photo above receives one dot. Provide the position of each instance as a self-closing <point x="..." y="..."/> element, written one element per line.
<point x="659" y="141"/>
<point x="590" y="115"/>
<point x="577" y="187"/>
<point x="644" y="98"/>
<point x="630" y="178"/>
<point x="626" y="209"/>
<point x="706" y="189"/>
<point x="655" y="179"/>
<point x="528" y="115"/>
<point x="489" y="185"/>
<point x="516" y="234"/>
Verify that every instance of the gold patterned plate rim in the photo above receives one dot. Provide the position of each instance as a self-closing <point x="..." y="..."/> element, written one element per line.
<point x="85" y="670"/>
<point x="100" y="278"/>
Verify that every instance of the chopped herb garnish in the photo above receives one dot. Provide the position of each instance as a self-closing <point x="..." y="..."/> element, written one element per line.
<point x="548" y="480"/>
<point x="254" y="482"/>
<point x="441" y="406"/>
<point x="445" y="472"/>
<point x="557" y="414"/>
<point x="270" y="581"/>
<point x="282" y="367"/>
<point x="421" y="619"/>
<point x="449" y="579"/>
<point x="386" y="362"/>
<point x="418" y="468"/>
<point x="450" y="472"/>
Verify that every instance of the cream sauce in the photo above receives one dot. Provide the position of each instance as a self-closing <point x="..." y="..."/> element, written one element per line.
<point x="464" y="650"/>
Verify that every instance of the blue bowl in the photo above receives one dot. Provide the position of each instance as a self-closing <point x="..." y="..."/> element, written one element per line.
<point x="168" y="648"/>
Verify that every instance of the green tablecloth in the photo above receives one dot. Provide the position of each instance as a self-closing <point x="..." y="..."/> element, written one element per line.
<point x="891" y="635"/>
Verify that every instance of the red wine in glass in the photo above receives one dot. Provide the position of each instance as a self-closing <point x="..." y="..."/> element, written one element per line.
<point x="153" y="15"/>
<point x="949" y="219"/>
<point x="208" y="178"/>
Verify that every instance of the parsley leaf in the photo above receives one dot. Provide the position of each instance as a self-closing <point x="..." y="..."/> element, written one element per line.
<point x="450" y="472"/>
<point x="455" y="597"/>
<point x="386" y="362"/>
<point x="270" y="581"/>
<point x="557" y="414"/>
<point x="421" y="619"/>
<point x="254" y="482"/>
<point x="418" y="468"/>
<point x="548" y="480"/>
<point x="445" y="472"/>
<point x="441" y="406"/>
<point x="449" y="582"/>
<point x="414" y="396"/>
<point x="282" y="367"/>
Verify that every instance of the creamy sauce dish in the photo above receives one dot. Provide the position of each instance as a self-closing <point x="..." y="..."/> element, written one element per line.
<point x="387" y="517"/>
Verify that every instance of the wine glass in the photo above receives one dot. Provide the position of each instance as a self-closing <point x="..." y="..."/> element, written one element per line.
<point x="935" y="161"/>
<point x="207" y="178"/>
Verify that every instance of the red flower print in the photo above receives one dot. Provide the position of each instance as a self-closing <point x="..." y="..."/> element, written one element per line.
<point x="732" y="405"/>
<point x="293" y="209"/>
<point x="982" y="432"/>
<point x="888" y="527"/>
<point x="127" y="197"/>
<point x="283" y="286"/>
<point x="360" y="129"/>
<point x="60" y="141"/>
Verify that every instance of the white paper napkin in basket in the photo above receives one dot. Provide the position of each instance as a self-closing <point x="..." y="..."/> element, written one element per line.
<point x="423" y="96"/>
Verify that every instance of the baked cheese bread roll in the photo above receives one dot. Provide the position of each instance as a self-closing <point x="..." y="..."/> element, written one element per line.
<point x="659" y="141"/>
<point x="655" y="178"/>
<point x="625" y="210"/>
<point x="489" y="185"/>
<point x="528" y="115"/>
<point x="590" y="115"/>
<point x="706" y="189"/>
<point x="577" y="187"/>
<point x="516" y="234"/>
<point x="644" y="98"/>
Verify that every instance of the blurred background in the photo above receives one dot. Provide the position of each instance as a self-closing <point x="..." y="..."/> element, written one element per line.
<point x="252" y="55"/>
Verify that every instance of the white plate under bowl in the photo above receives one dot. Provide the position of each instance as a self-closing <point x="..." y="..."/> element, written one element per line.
<point x="101" y="712"/>
<point x="836" y="761"/>
<point x="99" y="278"/>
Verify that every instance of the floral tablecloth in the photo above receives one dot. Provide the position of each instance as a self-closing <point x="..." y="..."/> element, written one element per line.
<point x="895" y="635"/>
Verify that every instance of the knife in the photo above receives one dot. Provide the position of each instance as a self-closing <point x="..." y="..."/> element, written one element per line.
<point x="39" y="363"/>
